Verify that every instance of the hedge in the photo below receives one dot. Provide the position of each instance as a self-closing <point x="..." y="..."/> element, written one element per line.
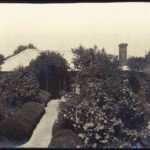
<point x="4" y="142"/>
<point x="18" y="129"/>
<point x="44" y="97"/>
<point x="59" y="124"/>
<point x="65" y="139"/>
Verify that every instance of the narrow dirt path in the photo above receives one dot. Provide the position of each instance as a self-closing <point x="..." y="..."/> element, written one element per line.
<point x="42" y="134"/>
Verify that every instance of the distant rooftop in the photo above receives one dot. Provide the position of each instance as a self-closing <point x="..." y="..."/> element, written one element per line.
<point x="22" y="59"/>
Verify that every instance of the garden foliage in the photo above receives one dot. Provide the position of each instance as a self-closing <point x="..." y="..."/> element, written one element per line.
<point x="17" y="88"/>
<point x="20" y="126"/>
<point x="65" y="139"/>
<point x="106" y="113"/>
<point x="51" y="70"/>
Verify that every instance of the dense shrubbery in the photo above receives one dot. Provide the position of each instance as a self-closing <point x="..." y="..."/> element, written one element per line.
<point x="106" y="113"/>
<point x="20" y="126"/>
<point x="17" y="88"/>
<point x="4" y="142"/>
<point x="136" y="63"/>
<point x="65" y="139"/>
<point x="20" y="110"/>
<point x="139" y="63"/>
<point x="60" y="124"/>
<point x="44" y="97"/>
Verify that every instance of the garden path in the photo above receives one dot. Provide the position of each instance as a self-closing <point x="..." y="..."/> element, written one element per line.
<point x="43" y="132"/>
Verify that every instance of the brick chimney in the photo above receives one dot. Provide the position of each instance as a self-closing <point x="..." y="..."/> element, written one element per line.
<point x="123" y="53"/>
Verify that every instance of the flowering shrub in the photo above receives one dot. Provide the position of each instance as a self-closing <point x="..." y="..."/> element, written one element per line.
<point x="105" y="114"/>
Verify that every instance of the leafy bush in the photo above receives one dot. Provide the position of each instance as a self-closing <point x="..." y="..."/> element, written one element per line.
<point x="20" y="126"/>
<point x="60" y="124"/>
<point x="134" y="81"/>
<point x="136" y="63"/>
<point x="65" y="139"/>
<point x="4" y="142"/>
<point x="107" y="115"/>
<point x="56" y="127"/>
<point x="17" y="88"/>
<point x="44" y="97"/>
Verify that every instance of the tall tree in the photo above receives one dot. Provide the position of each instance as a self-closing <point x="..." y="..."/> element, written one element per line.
<point x="93" y="62"/>
<point x="50" y="69"/>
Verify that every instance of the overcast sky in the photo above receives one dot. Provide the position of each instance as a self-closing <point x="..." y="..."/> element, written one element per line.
<point x="65" y="26"/>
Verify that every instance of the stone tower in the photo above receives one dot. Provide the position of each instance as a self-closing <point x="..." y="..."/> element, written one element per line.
<point x="123" y="53"/>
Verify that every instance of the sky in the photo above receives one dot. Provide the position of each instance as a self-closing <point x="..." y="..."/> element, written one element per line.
<point x="60" y="27"/>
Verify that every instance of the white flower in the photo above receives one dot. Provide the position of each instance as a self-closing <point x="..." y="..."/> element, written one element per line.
<point x="105" y="121"/>
<point x="97" y="137"/>
<point x="74" y="125"/>
<point x="77" y="121"/>
<point x="89" y="124"/>
<point x="80" y="135"/>
<point x="84" y="127"/>
<point x="94" y="145"/>
<point x="101" y="128"/>
<point x="86" y="140"/>
<point x="107" y="136"/>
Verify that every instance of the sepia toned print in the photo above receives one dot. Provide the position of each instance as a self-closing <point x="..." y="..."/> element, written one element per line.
<point x="75" y="75"/>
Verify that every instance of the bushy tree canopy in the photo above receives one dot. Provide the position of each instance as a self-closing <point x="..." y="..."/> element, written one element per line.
<point x="50" y="68"/>
<point x="94" y="63"/>
<point x="17" y="88"/>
